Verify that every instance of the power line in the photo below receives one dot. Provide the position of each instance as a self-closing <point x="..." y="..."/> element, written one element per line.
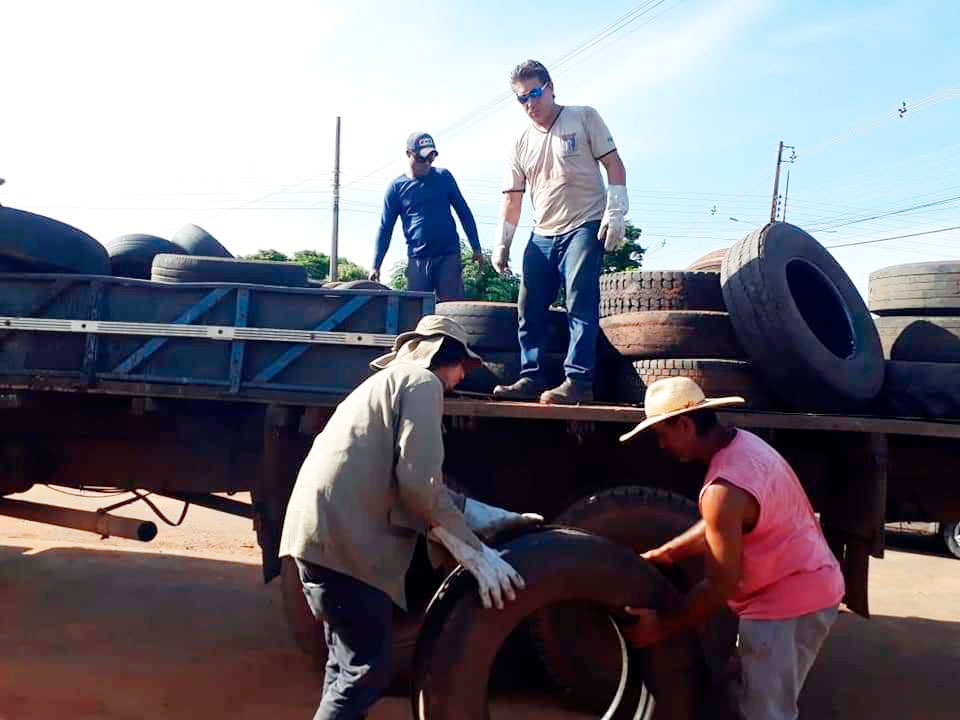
<point x="895" y="237"/>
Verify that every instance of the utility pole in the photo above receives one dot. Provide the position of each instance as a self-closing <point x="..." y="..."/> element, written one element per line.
<point x="336" y="205"/>
<point x="776" y="178"/>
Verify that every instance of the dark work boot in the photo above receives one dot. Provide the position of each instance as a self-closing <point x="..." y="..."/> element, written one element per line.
<point x="523" y="389"/>
<point x="568" y="392"/>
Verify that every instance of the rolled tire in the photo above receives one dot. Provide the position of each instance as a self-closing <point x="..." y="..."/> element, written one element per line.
<point x="672" y="334"/>
<point x="920" y="339"/>
<point x="801" y="321"/>
<point x="361" y="285"/>
<point x="460" y="639"/>
<point x="641" y="519"/>
<point x="717" y="378"/>
<point x="950" y="532"/>
<point x="503" y="368"/>
<point x="132" y="255"/>
<point x="493" y="326"/>
<point x="931" y="288"/>
<point x="189" y="269"/>
<point x="711" y="262"/>
<point x="922" y="389"/>
<point x="638" y="291"/>
<point x="35" y="243"/>
<point x="198" y="242"/>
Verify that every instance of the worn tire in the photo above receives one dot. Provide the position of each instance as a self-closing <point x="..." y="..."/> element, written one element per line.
<point x="672" y="334"/>
<point x="198" y="242"/>
<point x="132" y="255"/>
<point x="922" y="389"/>
<point x="492" y="326"/>
<point x="503" y="368"/>
<point x="641" y="519"/>
<point x="920" y="339"/>
<point x="950" y="532"/>
<point x="718" y="378"/>
<point x="641" y="290"/>
<point x="931" y="288"/>
<point x="186" y="269"/>
<point x="35" y="243"/>
<point x="361" y="285"/>
<point x="711" y="262"/>
<point x="801" y="320"/>
<point x="459" y="639"/>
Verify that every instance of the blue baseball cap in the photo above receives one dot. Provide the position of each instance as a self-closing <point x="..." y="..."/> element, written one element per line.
<point x="422" y="144"/>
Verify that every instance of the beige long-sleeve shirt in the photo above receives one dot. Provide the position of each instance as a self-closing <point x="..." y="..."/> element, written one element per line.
<point x="373" y="481"/>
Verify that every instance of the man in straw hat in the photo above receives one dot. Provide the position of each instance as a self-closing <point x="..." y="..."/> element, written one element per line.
<point x="765" y="553"/>
<point x="371" y="484"/>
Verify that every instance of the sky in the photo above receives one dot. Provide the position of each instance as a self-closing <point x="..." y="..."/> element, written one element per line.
<point x="136" y="117"/>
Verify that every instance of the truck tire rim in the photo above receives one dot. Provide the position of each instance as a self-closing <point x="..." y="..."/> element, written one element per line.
<point x="646" y="704"/>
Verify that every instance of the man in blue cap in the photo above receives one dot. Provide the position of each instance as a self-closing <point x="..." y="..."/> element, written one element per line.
<point x="422" y="198"/>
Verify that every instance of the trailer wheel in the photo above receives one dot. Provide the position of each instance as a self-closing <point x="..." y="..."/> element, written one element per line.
<point x="189" y="269"/>
<point x="801" y="320"/>
<point x="641" y="290"/>
<point x="673" y="334"/>
<point x="196" y="241"/>
<point x="132" y="255"/>
<point x="34" y="243"/>
<point x="584" y="665"/>
<point x="950" y="532"/>
<point x="460" y="640"/>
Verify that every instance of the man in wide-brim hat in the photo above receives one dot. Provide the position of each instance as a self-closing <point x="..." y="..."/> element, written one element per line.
<point x="370" y="486"/>
<point x="766" y="556"/>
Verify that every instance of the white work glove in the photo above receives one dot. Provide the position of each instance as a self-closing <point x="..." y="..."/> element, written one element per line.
<point x="500" y="259"/>
<point x="487" y="520"/>
<point x="612" y="224"/>
<point x="495" y="576"/>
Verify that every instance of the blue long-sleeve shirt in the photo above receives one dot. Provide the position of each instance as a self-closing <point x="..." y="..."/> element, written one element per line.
<point x="423" y="206"/>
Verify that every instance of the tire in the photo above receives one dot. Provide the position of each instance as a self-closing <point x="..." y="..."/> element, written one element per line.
<point x="950" y="532"/>
<point x="503" y="368"/>
<point x="920" y="339"/>
<point x="641" y="519"/>
<point x="717" y="378"/>
<point x="332" y="284"/>
<point x="711" y="262"/>
<point x="132" y="255"/>
<point x="196" y="241"/>
<point x="922" y="389"/>
<point x="931" y="288"/>
<point x="34" y="243"/>
<point x="801" y="321"/>
<point x="459" y="639"/>
<point x="492" y="326"/>
<point x="672" y="334"/>
<point x="638" y="291"/>
<point x="361" y="285"/>
<point x="186" y="268"/>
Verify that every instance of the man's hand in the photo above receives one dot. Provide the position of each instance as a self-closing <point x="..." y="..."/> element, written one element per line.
<point x="501" y="260"/>
<point x="645" y="630"/>
<point x="612" y="224"/>
<point x="660" y="556"/>
<point x="487" y="520"/>
<point x="495" y="577"/>
<point x="375" y="275"/>
<point x="479" y="259"/>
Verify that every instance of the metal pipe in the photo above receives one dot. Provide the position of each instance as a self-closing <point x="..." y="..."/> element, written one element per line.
<point x="214" y="502"/>
<point x="97" y="522"/>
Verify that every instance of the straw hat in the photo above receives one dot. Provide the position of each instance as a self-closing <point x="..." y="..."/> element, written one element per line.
<point x="674" y="396"/>
<point x="421" y="344"/>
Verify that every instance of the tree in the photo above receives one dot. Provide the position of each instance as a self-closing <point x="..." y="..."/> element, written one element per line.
<point x="316" y="264"/>
<point x="630" y="256"/>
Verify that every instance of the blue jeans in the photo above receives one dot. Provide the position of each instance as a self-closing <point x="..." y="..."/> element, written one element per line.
<point x="358" y="628"/>
<point x="442" y="274"/>
<point x="574" y="259"/>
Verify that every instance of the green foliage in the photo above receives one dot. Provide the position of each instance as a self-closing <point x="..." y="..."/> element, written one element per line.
<point x="629" y="257"/>
<point x="317" y="264"/>
<point x="274" y="255"/>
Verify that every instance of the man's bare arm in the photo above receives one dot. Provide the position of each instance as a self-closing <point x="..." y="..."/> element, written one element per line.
<point x="688" y="544"/>
<point x="616" y="172"/>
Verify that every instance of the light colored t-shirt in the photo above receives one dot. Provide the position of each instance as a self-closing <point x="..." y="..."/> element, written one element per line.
<point x="560" y="168"/>
<point x="788" y="570"/>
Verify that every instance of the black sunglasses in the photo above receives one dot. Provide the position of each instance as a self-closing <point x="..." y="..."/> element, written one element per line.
<point x="532" y="95"/>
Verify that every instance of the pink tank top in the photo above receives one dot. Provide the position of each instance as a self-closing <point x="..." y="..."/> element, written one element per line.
<point x="787" y="569"/>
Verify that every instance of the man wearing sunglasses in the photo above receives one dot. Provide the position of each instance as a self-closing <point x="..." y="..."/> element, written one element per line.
<point x="558" y="158"/>
<point x="422" y="199"/>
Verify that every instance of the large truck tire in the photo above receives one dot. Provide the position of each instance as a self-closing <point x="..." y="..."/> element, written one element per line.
<point x="929" y="288"/>
<point x="920" y="339"/>
<point x="460" y="639"/>
<point x="717" y="378"/>
<point x="503" y="368"/>
<point x="922" y="389"/>
<point x="950" y="532"/>
<point x="640" y="518"/>
<point x="132" y="255"/>
<point x="189" y="269"/>
<point x="711" y="262"/>
<point x="196" y="241"/>
<point x="361" y="285"/>
<point x="673" y="334"/>
<point x="801" y="320"/>
<point x="492" y="326"/>
<point x="35" y="243"/>
<point x="641" y="290"/>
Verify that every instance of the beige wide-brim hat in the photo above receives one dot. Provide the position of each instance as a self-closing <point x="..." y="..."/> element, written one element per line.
<point x="421" y="344"/>
<point x="674" y="396"/>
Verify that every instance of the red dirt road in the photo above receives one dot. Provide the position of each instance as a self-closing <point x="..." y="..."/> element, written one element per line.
<point x="184" y="627"/>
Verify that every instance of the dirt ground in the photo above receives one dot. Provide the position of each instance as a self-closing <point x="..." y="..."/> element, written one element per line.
<point x="184" y="627"/>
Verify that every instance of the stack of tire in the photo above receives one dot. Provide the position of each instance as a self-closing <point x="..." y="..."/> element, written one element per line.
<point x="918" y="305"/>
<point x="492" y="331"/>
